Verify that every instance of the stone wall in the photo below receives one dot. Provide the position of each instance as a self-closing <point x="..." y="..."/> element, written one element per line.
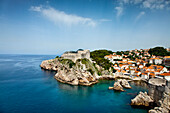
<point x="76" y="55"/>
<point x="168" y="84"/>
<point x="159" y="91"/>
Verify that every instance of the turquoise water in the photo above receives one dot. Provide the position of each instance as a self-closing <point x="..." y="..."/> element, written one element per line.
<point x="25" y="88"/>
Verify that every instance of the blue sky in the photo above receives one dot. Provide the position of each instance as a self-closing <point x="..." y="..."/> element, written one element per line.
<point x="54" y="26"/>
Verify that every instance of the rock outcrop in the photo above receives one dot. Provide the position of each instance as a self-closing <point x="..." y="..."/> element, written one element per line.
<point x="142" y="99"/>
<point x="159" y="110"/>
<point x="119" y="75"/>
<point x="124" y="83"/>
<point x="117" y="86"/>
<point x="107" y="77"/>
<point x="120" y="84"/>
<point x="110" y="88"/>
<point x="79" y="73"/>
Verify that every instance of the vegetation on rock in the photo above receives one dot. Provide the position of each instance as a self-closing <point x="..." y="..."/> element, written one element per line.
<point x="98" y="57"/>
<point x="67" y="61"/>
<point x="90" y="67"/>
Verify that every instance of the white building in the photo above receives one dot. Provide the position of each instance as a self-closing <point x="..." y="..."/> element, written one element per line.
<point x="164" y="76"/>
<point x="155" y="60"/>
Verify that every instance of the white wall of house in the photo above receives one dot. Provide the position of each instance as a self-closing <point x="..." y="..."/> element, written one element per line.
<point x="164" y="77"/>
<point x="158" y="61"/>
<point x="116" y="57"/>
<point x="144" y="76"/>
<point x="141" y="66"/>
<point x="151" y="61"/>
<point x="167" y="78"/>
<point x="164" y="70"/>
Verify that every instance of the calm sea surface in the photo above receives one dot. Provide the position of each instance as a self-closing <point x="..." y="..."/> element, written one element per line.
<point x="25" y="88"/>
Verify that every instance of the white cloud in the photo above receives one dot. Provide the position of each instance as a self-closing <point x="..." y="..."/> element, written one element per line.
<point x="119" y="11"/>
<point x="148" y="4"/>
<point x="105" y="20"/>
<point x="36" y="8"/>
<point x="139" y="16"/>
<point x="59" y="17"/>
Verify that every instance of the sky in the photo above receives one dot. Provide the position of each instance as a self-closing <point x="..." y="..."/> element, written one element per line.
<point x="56" y="26"/>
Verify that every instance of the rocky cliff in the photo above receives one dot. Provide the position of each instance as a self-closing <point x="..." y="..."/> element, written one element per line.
<point x="142" y="99"/>
<point x="159" y="91"/>
<point x="81" y="72"/>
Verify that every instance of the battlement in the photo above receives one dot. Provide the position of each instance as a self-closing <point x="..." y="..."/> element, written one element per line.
<point x="74" y="55"/>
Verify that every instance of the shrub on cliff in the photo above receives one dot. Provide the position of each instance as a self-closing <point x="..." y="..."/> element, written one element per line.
<point x="91" y="71"/>
<point x="67" y="61"/>
<point x="98" y="57"/>
<point x="57" y="57"/>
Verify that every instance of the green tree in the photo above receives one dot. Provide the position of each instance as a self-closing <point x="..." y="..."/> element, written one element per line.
<point x="118" y="53"/>
<point x="158" y="51"/>
<point x="98" y="56"/>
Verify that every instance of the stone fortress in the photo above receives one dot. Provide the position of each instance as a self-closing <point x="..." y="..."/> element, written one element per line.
<point x="74" y="55"/>
<point x="159" y="91"/>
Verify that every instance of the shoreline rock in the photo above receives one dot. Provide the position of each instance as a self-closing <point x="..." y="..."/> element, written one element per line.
<point x="117" y="86"/>
<point x="142" y="99"/>
<point x="159" y="110"/>
<point x="120" y="84"/>
<point x="125" y="83"/>
<point x="70" y="72"/>
<point x="107" y="77"/>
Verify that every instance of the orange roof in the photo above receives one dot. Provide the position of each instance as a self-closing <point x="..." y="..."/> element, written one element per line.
<point x="120" y="65"/>
<point x="123" y="71"/>
<point x="108" y="56"/>
<point x="152" y="74"/>
<point x="118" y="70"/>
<point x="158" y="71"/>
<point x="157" y="67"/>
<point x="167" y="57"/>
<point x="123" y="62"/>
<point x="160" y="67"/>
<point x="144" y="67"/>
<point x="165" y="74"/>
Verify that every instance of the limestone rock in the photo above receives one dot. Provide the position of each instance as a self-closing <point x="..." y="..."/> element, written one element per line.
<point x="124" y="83"/>
<point x="117" y="86"/>
<point x="108" y="77"/>
<point x="141" y="99"/>
<point x="110" y="88"/>
<point x="159" y="110"/>
<point x="69" y="73"/>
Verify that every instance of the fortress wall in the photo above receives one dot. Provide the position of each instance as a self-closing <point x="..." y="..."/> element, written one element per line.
<point x="159" y="93"/>
<point x="78" y="55"/>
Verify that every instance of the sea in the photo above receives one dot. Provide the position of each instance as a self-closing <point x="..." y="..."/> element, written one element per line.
<point x="26" y="88"/>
